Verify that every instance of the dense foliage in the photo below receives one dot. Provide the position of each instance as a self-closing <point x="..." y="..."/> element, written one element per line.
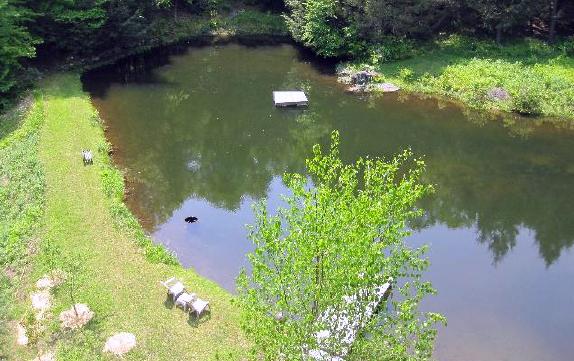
<point x="16" y="43"/>
<point x="345" y="27"/>
<point x="343" y="236"/>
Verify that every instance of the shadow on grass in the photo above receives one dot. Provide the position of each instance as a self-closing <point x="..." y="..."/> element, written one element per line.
<point x="196" y="321"/>
<point x="168" y="303"/>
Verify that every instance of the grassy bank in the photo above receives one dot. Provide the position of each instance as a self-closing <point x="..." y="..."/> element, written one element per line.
<point x="536" y="78"/>
<point x="21" y="208"/>
<point x="84" y="219"/>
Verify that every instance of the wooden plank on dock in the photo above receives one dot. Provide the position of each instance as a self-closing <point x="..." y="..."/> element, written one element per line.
<point x="290" y="98"/>
<point x="343" y="326"/>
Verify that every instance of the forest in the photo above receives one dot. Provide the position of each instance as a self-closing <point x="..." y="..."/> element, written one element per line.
<point x="36" y="33"/>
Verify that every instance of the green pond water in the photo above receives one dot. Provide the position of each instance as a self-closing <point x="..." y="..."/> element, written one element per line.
<point x="197" y="135"/>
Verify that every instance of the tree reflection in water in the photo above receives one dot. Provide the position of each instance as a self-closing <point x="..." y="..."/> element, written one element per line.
<point x="203" y="127"/>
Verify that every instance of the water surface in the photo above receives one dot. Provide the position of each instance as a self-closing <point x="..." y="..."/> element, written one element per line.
<point x="199" y="136"/>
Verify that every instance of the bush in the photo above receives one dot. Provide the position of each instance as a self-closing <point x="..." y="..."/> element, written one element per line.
<point x="568" y="47"/>
<point x="343" y="236"/>
<point x="391" y="49"/>
<point x="406" y="74"/>
<point x="526" y="101"/>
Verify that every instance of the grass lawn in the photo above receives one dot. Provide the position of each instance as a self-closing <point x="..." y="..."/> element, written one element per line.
<point x="83" y="218"/>
<point x="538" y="78"/>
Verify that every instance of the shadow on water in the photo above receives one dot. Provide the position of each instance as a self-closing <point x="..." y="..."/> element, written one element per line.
<point x="197" y="134"/>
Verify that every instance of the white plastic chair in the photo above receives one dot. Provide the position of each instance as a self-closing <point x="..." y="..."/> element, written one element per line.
<point x="174" y="288"/>
<point x="199" y="306"/>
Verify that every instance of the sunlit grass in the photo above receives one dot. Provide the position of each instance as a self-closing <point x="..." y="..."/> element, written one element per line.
<point x="538" y="77"/>
<point x="121" y="269"/>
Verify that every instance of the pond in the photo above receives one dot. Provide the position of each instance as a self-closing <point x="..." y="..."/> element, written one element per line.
<point x="197" y="135"/>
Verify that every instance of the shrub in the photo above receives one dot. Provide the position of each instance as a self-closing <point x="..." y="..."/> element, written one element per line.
<point x="568" y="47"/>
<point x="391" y="49"/>
<point x="344" y="236"/>
<point x="526" y="101"/>
<point x="406" y="74"/>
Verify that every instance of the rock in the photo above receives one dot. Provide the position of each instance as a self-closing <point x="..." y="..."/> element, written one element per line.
<point x="356" y="89"/>
<point x="22" y="338"/>
<point x="386" y="87"/>
<point x="71" y="320"/>
<point x="120" y="343"/>
<point x="41" y="302"/>
<point x="498" y="94"/>
<point x="54" y="279"/>
<point x="48" y="356"/>
<point x="363" y="77"/>
<point x="45" y="283"/>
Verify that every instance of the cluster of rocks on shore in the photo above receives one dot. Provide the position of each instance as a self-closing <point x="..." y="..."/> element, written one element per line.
<point x="364" y="81"/>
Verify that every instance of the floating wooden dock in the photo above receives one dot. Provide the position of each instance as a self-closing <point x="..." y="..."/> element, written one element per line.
<point x="344" y="325"/>
<point x="290" y="99"/>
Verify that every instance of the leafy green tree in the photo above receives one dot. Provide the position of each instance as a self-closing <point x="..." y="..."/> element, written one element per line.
<point x="70" y="26"/>
<point x="16" y="43"/>
<point x="420" y="18"/>
<point x="343" y="236"/>
<point x="321" y="25"/>
<point x="504" y="16"/>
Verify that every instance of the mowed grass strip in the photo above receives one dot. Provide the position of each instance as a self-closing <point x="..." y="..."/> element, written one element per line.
<point x="117" y="281"/>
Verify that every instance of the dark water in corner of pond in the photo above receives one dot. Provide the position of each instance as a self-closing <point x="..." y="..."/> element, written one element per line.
<point x="198" y="136"/>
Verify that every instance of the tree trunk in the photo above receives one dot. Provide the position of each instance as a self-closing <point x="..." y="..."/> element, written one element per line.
<point x="72" y="290"/>
<point x="175" y="10"/>
<point x="553" y="20"/>
<point x="499" y="34"/>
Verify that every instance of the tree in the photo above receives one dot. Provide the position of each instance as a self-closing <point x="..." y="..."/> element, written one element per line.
<point x="420" y="18"/>
<point x="344" y="236"/>
<point x="16" y="43"/>
<point x="175" y="5"/>
<point x="74" y="269"/>
<point x="322" y="26"/>
<point x="503" y="16"/>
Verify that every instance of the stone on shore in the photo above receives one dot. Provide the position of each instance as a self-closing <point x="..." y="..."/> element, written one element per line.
<point x="386" y="87"/>
<point x="41" y="302"/>
<point x="357" y="89"/>
<point x="120" y="343"/>
<point x="21" y="338"/>
<point x="71" y="320"/>
<point x="498" y="93"/>
<point x="45" y="283"/>
<point x="48" y="356"/>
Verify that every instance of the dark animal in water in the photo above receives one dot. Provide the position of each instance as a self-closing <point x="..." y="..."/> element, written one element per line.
<point x="191" y="219"/>
<point x="87" y="157"/>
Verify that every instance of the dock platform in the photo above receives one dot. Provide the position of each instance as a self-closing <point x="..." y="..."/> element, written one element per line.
<point x="290" y="99"/>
